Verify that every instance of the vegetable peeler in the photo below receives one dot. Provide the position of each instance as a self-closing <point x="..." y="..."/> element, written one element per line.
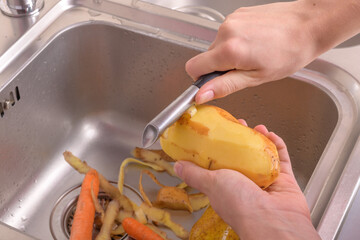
<point x="173" y="112"/>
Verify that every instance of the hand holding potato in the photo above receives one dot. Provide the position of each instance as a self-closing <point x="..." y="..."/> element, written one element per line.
<point x="279" y="212"/>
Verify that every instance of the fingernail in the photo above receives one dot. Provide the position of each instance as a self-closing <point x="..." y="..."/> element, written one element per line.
<point x="206" y="96"/>
<point x="178" y="169"/>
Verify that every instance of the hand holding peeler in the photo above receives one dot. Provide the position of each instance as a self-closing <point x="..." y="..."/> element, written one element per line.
<point x="173" y="112"/>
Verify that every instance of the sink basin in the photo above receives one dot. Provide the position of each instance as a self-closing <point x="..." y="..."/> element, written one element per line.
<point x="88" y="81"/>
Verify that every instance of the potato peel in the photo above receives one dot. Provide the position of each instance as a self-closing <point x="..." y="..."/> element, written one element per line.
<point x="163" y="217"/>
<point x="141" y="189"/>
<point x="168" y="197"/>
<point x="157" y="230"/>
<point x="157" y="157"/>
<point x="118" y="231"/>
<point x="173" y="198"/>
<point x="98" y="208"/>
<point x="148" y="154"/>
<point x="198" y="201"/>
<point x="133" y="160"/>
<point x="124" y="207"/>
<point x="105" y="185"/>
<point x="109" y="219"/>
<point x="182" y="185"/>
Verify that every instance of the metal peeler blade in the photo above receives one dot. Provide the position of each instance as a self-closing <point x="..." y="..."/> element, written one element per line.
<point x="173" y="112"/>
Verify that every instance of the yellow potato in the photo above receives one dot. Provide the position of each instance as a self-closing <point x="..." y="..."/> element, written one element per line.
<point x="210" y="227"/>
<point x="213" y="139"/>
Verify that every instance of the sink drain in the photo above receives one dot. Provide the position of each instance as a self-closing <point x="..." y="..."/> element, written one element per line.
<point x="62" y="216"/>
<point x="104" y="200"/>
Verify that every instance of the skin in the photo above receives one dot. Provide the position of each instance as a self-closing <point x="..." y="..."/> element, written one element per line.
<point x="262" y="44"/>
<point x="279" y="212"/>
<point x="269" y="42"/>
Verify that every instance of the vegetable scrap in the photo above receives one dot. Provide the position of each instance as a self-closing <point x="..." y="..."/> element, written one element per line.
<point x="138" y="230"/>
<point x="121" y="215"/>
<point x="82" y="226"/>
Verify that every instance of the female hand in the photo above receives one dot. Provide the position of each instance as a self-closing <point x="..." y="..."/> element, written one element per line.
<point x="279" y="212"/>
<point x="269" y="42"/>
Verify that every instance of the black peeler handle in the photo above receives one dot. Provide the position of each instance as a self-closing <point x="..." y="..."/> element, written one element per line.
<point x="207" y="77"/>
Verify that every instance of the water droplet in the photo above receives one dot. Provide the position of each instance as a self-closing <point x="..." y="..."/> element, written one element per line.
<point x="158" y="33"/>
<point x="24" y="218"/>
<point x="191" y="39"/>
<point x="35" y="181"/>
<point x="119" y="20"/>
<point x="94" y="13"/>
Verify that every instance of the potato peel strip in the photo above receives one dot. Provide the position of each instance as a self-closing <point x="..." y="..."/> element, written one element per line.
<point x="163" y="217"/>
<point x="105" y="185"/>
<point x="157" y="157"/>
<point x="133" y="160"/>
<point x="98" y="207"/>
<point x="142" y="192"/>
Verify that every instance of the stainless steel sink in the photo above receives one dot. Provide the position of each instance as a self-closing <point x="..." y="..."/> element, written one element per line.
<point x="88" y="81"/>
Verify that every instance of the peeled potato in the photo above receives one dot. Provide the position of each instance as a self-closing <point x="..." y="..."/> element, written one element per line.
<point x="213" y="139"/>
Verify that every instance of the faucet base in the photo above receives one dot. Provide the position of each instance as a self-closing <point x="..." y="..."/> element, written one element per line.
<point x="13" y="12"/>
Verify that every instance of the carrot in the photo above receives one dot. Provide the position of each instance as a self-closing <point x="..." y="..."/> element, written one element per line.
<point x="82" y="226"/>
<point x="138" y="230"/>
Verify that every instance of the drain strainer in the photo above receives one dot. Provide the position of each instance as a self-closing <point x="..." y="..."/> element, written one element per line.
<point x="62" y="215"/>
<point x="104" y="199"/>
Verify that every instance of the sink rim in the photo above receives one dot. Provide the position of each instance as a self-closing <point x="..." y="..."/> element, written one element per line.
<point x="77" y="15"/>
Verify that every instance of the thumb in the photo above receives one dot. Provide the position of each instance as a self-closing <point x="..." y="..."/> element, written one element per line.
<point x="226" y="84"/>
<point x="195" y="176"/>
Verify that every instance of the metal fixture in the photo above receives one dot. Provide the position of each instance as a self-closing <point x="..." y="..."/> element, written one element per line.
<point x="8" y="102"/>
<point x="62" y="214"/>
<point x="173" y="112"/>
<point x="20" y="8"/>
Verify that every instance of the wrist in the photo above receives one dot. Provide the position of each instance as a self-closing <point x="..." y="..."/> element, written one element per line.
<point x="330" y="22"/>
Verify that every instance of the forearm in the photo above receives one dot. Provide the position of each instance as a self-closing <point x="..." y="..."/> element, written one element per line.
<point x="331" y="22"/>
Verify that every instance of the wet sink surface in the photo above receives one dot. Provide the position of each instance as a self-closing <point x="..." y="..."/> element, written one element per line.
<point x="93" y="88"/>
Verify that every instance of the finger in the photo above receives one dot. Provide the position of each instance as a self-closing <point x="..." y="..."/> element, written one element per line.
<point x="204" y="63"/>
<point x="243" y="122"/>
<point x="224" y="85"/>
<point x="285" y="164"/>
<point x="230" y="54"/>
<point x="261" y="129"/>
<point x="195" y="176"/>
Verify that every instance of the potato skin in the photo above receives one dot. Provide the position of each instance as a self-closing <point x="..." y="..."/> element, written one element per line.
<point x="213" y="139"/>
<point x="210" y="226"/>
